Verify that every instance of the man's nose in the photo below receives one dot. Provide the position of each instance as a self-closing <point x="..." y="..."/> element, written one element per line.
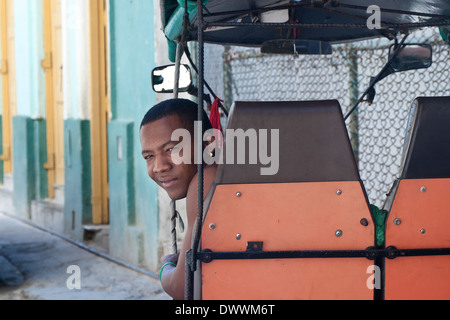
<point x="161" y="164"/>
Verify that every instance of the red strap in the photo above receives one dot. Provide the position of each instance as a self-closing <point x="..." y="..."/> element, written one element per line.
<point x="214" y="117"/>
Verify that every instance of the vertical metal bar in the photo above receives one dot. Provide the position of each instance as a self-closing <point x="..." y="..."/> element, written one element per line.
<point x="173" y="206"/>
<point x="191" y="259"/>
<point x="177" y="70"/>
<point x="379" y="294"/>
<point x="201" y="81"/>
<point x="354" y="96"/>
<point x="227" y="77"/>
<point x="173" y="226"/>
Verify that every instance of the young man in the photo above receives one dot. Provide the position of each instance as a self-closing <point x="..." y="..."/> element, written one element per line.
<point x="179" y="180"/>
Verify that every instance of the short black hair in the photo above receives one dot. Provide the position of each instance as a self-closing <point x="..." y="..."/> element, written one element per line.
<point x="186" y="110"/>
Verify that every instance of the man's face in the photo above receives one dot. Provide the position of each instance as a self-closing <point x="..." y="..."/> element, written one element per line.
<point x="157" y="147"/>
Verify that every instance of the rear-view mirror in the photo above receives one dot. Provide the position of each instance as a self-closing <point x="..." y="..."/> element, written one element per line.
<point x="412" y="57"/>
<point x="163" y="79"/>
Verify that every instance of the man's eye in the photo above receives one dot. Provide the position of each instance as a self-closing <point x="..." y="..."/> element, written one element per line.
<point x="149" y="157"/>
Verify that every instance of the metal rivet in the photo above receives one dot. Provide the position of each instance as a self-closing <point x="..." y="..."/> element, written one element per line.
<point x="397" y="221"/>
<point x="364" y="222"/>
<point x="423" y="189"/>
<point x="238" y="236"/>
<point x="338" y="233"/>
<point x="339" y="192"/>
<point x="422" y="231"/>
<point x="207" y="257"/>
<point x="212" y="226"/>
<point x="238" y="194"/>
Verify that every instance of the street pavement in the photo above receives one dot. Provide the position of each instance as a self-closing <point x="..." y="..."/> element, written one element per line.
<point x="37" y="265"/>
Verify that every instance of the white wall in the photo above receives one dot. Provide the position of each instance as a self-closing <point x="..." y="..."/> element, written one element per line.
<point x="76" y="68"/>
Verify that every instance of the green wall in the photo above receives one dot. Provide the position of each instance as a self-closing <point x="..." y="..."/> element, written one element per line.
<point x="122" y="189"/>
<point x="132" y="59"/>
<point x="30" y="180"/>
<point x="40" y="158"/>
<point x="77" y="173"/>
<point x="133" y="196"/>
<point x="24" y="173"/>
<point x="28" y="127"/>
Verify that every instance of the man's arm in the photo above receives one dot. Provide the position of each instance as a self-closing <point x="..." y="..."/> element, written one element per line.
<point x="173" y="278"/>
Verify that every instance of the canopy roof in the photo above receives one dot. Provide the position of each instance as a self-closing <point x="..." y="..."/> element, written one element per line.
<point x="333" y="21"/>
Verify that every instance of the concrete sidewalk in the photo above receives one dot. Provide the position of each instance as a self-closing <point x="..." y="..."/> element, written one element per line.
<point x="36" y="265"/>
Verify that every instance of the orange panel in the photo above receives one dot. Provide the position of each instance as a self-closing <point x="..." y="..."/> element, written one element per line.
<point x="295" y="216"/>
<point x="424" y="222"/>
<point x="288" y="279"/>
<point x="418" y="278"/>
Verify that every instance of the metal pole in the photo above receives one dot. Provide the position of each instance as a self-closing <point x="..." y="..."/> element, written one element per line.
<point x="173" y="205"/>
<point x="354" y="96"/>
<point x="179" y="55"/>
<point x="227" y="77"/>
<point x="191" y="259"/>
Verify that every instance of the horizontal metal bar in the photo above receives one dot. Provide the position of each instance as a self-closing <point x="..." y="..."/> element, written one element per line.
<point x="395" y="11"/>
<point x="328" y="25"/>
<point x="208" y="14"/>
<point x="370" y="253"/>
<point x="394" y="253"/>
<point x="208" y="256"/>
<point x="333" y="9"/>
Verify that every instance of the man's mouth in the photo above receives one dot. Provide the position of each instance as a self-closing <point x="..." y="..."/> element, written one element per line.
<point x="167" y="183"/>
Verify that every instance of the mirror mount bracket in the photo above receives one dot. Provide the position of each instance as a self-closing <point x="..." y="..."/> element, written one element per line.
<point x="374" y="80"/>
<point x="402" y="57"/>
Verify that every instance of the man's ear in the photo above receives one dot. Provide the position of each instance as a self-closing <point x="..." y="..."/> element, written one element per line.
<point x="209" y="141"/>
<point x="212" y="147"/>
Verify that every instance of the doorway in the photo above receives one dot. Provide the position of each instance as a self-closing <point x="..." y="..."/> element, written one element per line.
<point x="8" y="75"/>
<point x="53" y="67"/>
<point x="99" y="110"/>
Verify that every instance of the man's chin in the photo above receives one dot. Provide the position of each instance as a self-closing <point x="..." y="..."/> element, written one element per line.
<point x="176" y="196"/>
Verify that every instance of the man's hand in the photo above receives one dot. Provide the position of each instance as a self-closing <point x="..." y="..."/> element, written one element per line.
<point x="167" y="269"/>
<point x="171" y="258"/>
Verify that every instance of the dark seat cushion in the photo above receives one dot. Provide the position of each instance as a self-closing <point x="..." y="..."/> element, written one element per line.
<point x="313" y="143"/>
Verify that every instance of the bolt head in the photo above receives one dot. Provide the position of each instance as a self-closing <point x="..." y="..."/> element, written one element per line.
<point x="397" y="221"/>
<point x="338" y="233"/>
<point x="238" y="194"/>
<point x="423" y="189"/>
<point x="212" y="226"/>
<point x="364" y="222"/>
<point x="339" y="192"/>
<point x="423" y="231"/>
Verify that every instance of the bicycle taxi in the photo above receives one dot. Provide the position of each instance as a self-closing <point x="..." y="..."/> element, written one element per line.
<point x="308" y="231"/>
